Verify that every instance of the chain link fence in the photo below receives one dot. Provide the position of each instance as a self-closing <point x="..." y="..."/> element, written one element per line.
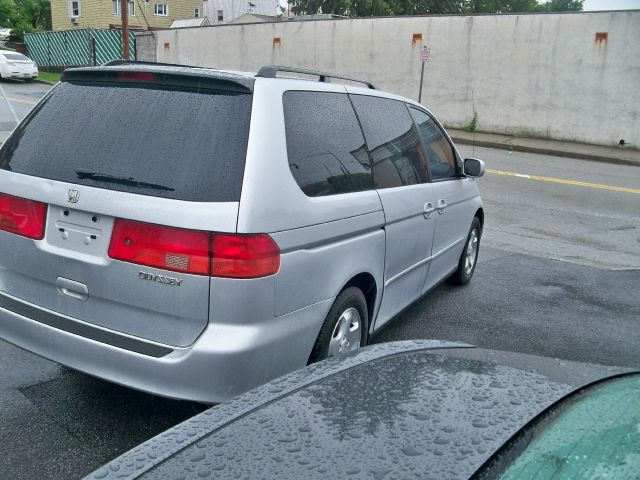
<point x="75" y="48"/>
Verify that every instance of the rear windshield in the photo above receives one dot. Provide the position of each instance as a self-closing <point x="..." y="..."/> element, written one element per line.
<point x="14" y="56"/>
<point x="180" y="144"/>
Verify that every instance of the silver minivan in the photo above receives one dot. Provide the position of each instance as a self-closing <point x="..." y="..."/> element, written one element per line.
<point x="194" y="232"/>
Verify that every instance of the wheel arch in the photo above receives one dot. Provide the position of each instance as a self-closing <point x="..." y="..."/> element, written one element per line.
<point x="480" y="216"/>
<point x="366" y="282"/>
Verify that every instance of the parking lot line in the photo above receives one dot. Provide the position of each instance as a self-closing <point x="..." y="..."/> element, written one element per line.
<point x="563" y="181"/>
<point x="19" y="100"/>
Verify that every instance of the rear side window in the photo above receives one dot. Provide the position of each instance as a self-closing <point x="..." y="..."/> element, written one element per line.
<point x="180" y="144"/>
<point x="325" y="146"/>
<point x="393" y="143"/>
<point x="436" y="147"/>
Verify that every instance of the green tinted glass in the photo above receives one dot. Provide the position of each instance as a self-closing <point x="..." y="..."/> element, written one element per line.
<point x="597" y="437"/>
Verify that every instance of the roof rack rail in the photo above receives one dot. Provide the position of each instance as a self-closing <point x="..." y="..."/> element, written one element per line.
<point x="271" y="71"/>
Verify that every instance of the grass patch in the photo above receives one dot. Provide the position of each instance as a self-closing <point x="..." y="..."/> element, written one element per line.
<point x="50" y="77"/>
<point x="471" y="124"/>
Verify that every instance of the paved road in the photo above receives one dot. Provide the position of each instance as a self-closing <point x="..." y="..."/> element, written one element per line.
<point x="22" y="97"/>
<point x="593" y="218"/>
<point x="558" y="275"/>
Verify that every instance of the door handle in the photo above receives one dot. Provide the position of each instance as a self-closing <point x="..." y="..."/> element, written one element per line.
<point x="428" y="209"/>
<point x="442" y="205"/>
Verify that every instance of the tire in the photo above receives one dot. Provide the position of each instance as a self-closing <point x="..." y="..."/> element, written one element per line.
<point x="342" y="313"/>
<point x="469" y="257"/>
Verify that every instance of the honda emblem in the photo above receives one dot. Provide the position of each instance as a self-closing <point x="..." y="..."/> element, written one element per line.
<point x="74" y="195"/>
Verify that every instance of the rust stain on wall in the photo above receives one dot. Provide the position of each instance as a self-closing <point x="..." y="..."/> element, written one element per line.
<point x="601" y="37"/>
<point x="167" y="46"/>
<point x="417" y="38"/>
<point x="276" y="41"/>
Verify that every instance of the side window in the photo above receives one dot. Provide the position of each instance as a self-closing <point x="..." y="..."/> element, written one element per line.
<point x="393" y="143"/>
<point x="439" y="152"/>
<point x="326" y="150"/>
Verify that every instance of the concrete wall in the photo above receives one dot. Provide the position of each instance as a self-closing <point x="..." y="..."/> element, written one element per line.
<point x="145" y="46"/>
<point x="541" y="75"/>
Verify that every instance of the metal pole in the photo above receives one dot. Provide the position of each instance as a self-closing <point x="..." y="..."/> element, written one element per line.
<point x="421" y="79"/>
<point x="124" y="15"/>
<point x="93" y="50"/>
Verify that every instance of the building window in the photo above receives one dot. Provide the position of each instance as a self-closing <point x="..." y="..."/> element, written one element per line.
<point x="196" y="12"/>
<point x="161" y="9"/>
<point x="220" y="16"/>
<point x="74" y="8"/>
<point x="115" y="8"/>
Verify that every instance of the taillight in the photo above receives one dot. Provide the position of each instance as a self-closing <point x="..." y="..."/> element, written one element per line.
<point x="22" y="217"/>
<point x="195" y="252"/>
<point x="162" y="247"/>
<point x="244" y="256"/>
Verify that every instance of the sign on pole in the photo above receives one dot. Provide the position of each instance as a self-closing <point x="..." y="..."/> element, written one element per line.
<point x="425" y="54"/>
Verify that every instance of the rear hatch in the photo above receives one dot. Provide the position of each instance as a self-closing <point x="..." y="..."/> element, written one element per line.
<point x="117" y="159"/>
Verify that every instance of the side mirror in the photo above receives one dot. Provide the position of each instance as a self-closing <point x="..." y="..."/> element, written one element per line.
<point x="473" y="167"/>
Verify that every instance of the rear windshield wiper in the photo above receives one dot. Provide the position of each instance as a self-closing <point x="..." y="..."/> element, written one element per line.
<point x="101" y="177"/>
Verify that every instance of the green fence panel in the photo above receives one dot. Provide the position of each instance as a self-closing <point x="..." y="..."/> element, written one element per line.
<point x="38" y="47"/>
<point x="71" y="48"/>
<point x="109" y="45"/>
<point x="77" y="48"/>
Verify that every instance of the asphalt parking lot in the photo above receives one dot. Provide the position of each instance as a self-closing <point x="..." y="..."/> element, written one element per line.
<point x="22" y="97"/>
<point x="559" y="275"/>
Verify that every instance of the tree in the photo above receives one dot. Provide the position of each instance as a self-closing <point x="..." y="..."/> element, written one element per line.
<point x="561" y="6"/>
<point x="25" y="16"/>
<point x="367" y="8"/>
<point x="8" y="13"/>
<point x="36" y="13"/>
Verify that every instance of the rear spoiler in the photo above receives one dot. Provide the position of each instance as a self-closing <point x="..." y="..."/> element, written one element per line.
<point x="158" y="75"/>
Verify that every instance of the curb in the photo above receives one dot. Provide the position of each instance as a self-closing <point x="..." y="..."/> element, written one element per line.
<point x="547" y="151"/>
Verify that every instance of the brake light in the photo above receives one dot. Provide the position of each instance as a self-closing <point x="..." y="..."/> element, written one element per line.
<point x="22" y="217"/>
<point x="142" y="76"/>
<point x="194" y="252"/>
<point x="244" y="256"/>
<point x="162" y="247"/>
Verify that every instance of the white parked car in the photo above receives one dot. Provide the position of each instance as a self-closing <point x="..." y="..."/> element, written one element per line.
<point x="5" y="33"/>
<point x="16" y="65"/>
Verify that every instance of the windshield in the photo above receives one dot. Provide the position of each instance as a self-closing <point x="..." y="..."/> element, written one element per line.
<point x="593" y="434"/>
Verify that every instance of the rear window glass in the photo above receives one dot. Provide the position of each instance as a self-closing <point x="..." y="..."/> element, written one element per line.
<point x="14" y="56"/>
<point x="326" y="149"/>
<point x="187" y="145"/>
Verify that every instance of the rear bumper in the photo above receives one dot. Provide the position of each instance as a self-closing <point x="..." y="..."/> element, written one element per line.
<point x="225" y="360"/>
<point x="20" y="75"/>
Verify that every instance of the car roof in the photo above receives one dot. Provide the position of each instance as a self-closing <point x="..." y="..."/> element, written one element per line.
<point x="245" y="78"/>
<point x="404" y="407"/>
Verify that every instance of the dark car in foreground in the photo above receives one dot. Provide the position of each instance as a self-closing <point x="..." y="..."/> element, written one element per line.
<point x="419" y="409"/>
